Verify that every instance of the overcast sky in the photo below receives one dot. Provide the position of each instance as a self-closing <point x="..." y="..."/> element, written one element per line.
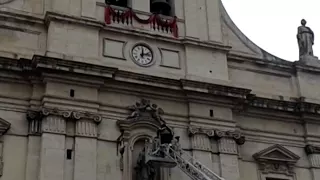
<point x="272" y="24"/>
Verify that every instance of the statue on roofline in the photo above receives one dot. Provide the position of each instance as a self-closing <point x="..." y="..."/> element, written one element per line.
<point x="305" y="38"/>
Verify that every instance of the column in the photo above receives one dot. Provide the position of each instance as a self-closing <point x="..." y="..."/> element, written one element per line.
<point x="201" y="145"/>
<point x="52" y="148"/>
<point x="85" y="165"/>
<point x="34" y="141"/>
<point x="228" y="148"/>
<point x="314" y="158"/>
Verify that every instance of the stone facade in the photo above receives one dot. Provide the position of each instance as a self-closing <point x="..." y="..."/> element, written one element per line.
<point x="68" y="84"/>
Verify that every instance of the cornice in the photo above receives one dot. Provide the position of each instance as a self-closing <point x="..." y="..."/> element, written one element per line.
<point x="298" y="106"/>
<point x="216" y="89"/>
<point x="42" y="62"/>
<point x="16" y="17"/>
<point x="240" y="96"/>
<point x="53" y="16"/>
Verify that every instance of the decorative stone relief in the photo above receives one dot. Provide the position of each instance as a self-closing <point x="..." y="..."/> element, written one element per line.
<point x="142" y="124"/>
<point x="143" y="112"/>
<point x="276" y="159"/>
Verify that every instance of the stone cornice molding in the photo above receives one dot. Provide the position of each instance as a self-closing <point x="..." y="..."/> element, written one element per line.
<point x="54" y="16"/>
<point x="298" y="106"/>
<point x="241" y="96"/>
<point x="217" y="134"/>
<point x="311" y="149"/>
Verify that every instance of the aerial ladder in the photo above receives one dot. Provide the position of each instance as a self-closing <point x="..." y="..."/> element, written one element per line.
<point x="167" y="156"/>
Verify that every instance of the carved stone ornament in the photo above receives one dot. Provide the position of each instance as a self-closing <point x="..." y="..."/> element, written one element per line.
<point x="143" y="113"/>
<point x="4" y="126"/>
<point x="236" y="135"/>
<point x="310" y="149"/>
<point x="69" y="114"/>
<point x="276" y="159"/>
<point x="199" y="130"/>
<point x="214" y="133"/>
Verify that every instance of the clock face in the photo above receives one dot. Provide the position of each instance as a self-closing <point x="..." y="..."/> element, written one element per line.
<point x="142" y="55"/>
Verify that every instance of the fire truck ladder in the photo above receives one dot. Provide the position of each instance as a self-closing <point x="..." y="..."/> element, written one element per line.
<point x="190" y="166"/>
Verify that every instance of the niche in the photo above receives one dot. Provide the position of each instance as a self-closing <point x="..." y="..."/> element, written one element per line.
<point x="137" y="148"/>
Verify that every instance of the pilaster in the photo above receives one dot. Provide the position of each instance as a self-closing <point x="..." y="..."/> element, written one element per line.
<point x="51" y="126"/>
<point x="52" y="148"/>
<point x="314" y="158"/>
<point x="228" y="148"/>
<point x="86" y="133"/>
<point x="201" y="145"/>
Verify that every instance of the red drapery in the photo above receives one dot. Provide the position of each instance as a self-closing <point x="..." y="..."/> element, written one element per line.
<point x="154" y="20"/>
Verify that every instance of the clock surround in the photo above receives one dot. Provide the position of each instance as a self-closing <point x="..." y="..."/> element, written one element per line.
<point x="142" y="55"/>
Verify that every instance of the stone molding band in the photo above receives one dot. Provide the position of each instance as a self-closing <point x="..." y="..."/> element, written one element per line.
<point x="218" y="134"/>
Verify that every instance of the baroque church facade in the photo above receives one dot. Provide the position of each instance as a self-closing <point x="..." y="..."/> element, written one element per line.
<point x="87" y="85"/>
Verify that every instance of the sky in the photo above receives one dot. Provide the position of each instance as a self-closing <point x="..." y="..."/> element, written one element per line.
<point x="272" y="24"/>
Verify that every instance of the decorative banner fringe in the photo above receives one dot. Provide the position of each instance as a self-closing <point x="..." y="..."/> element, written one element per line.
<point x="154" y="20"/>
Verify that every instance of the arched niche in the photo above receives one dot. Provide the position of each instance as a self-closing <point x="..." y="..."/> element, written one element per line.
<point x="139" y="127"/>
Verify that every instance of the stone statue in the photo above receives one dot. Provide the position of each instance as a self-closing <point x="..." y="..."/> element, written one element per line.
<point x="305" y="38"/>
<point x="144" y="171"/>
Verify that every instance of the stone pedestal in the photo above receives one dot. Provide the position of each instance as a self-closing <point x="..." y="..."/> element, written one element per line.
<point x="310" y="61"/>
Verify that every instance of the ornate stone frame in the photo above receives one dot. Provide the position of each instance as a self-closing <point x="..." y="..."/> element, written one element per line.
<point x="276" y="162"/>
<point x="143" y="123"/>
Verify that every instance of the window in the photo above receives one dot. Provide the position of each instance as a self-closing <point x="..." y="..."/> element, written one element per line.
<point x="122" y="3"/>
<point x="164" y="7"/>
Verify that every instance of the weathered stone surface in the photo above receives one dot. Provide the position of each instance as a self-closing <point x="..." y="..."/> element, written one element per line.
<point x="239" y="99"/>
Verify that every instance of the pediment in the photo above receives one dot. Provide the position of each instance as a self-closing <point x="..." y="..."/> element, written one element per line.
<point x="143" y="114"/>
<point x="276" y="153"/>
<point x="4" y="126"/>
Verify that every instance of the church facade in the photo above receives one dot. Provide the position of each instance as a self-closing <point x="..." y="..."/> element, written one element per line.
<point x="86" y="84"/>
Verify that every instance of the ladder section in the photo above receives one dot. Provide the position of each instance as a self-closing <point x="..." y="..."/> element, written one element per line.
<point x="193" y="168"/>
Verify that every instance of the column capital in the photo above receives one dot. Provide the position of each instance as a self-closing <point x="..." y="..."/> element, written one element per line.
<point x="65" y="113"/>
<point x="218" y="134"/>
<point x="198" y="130"/>
<point x="311" y="149"/>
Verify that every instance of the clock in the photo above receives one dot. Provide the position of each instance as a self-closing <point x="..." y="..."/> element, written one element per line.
<point x="142" y="55"/>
